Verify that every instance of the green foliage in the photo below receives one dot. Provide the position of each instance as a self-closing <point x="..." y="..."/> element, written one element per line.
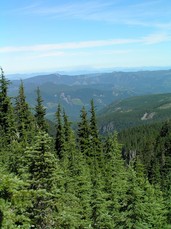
<point x="83" y="132"/>
<point x="14" y="201"/>
<point x="152" y="149"/>
<point x="59" y="140"/>
<point x="7" y="123"/>
<point x="145" y="204"/>
<point x="40" y="170"/>
<point x="40" y="112"/>
<point x="116" y="179"/>
<point x="94" y="135"/>
<point x="24" y="118"/>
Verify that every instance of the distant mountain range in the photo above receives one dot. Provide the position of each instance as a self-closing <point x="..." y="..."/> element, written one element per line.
<point x="74" y="91"/>
<point x="87" y="70"/>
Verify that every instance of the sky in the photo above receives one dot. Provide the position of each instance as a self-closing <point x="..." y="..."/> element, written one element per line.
<point x="59" y="35"/>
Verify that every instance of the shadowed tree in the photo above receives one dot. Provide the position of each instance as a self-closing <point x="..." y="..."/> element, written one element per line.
<point x="40" y="112"/>
<point x="24" y="117"/>
<point x="60" y="139"/>
<point x="83" y="133"/>
<point x="7" y="120"/>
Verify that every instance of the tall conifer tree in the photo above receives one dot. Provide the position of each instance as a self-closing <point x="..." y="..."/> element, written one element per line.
<point x="77" y="181"/>
<point x="145" y="204"/>
<point x="40" y="112"/>
<point x="93" y="122"/>
<point x="24" y="118"/>
<point x="83" y="133"/>
<point x="116" y="181"/>
<point x="95" y="140"/>
<point x="59" y="140"/>
<point x="7" y="121"/>
<point x="41" y="171"/>
<point x="4" y="101"/>
<point x="95" y="144"/>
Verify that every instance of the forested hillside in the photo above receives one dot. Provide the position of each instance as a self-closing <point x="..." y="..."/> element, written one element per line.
<point x="77" y="179"/>
<point x="151" y="145"/>
<point x="135" y="111"/>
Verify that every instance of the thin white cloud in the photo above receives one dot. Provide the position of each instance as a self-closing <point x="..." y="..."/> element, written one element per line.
<point x="69" y="45"/>
<point x="156" y="38"/>
<point x="82" y="53"/>
<point x="149" y="39"/>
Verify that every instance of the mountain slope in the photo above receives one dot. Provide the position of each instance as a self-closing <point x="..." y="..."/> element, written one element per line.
<point x="135" y="111"/>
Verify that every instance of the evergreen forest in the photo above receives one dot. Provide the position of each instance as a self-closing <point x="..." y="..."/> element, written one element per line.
<point x="79" y="179"/>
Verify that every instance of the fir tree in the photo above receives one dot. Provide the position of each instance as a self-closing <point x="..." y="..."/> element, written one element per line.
<point x="42" y="172"/>
<point x="145" y="203"/>
<point x="40" y="112"/>
<point x="77" y="179"/>
<point x="4" y="101"/>
<point x="96" y="153"/>
<point x="83" y="133"/>
<point x="95" y="140"/>
<point x="93" y="122"/>
<point x="14" y="201"/>
<point x="7" y="121"/>
<point x="24" y="118"/>
<point x="162" y="164"/>
<point x="67" y="126"/>
<point x="90" y="147"/>
<point x="59" y="140"/>
<point x="116" y="182"/>
<point x="100" y="215"/>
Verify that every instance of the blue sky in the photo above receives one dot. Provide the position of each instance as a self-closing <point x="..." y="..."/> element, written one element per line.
<point x="52" y="35"/>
